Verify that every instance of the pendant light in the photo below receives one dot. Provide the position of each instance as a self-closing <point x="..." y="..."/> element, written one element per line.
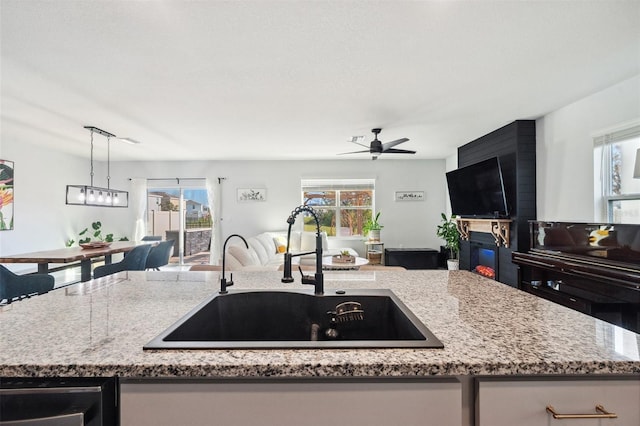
<point x="89" y="195"/>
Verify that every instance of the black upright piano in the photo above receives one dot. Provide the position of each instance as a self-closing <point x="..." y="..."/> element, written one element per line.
<point x="591" y="267"/>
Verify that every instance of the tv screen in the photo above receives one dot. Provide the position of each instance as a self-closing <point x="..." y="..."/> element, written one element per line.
<point x="478" y="190"/>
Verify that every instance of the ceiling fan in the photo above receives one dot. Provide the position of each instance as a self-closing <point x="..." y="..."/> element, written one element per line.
<point x="376" y="147"/>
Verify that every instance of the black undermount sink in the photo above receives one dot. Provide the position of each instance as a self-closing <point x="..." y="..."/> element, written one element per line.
<point x="298" y="319"/>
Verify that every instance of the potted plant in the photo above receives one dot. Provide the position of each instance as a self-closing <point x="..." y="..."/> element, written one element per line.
<point x="86" y="236"/>
<point x="448" y="231"/>
<point x="372" y="228"/>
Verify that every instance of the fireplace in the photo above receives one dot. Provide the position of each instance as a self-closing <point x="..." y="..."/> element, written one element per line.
<point x="485" y="249"/>
<point x="484" y="259"/>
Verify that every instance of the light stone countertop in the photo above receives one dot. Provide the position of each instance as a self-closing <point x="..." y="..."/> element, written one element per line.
<point x="98" y="328"/>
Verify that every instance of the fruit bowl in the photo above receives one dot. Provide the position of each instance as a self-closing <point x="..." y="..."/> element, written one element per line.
<point x="95" y="245"/>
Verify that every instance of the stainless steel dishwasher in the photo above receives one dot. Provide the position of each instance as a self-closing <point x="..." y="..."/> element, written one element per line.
<point x="58" y="401"/>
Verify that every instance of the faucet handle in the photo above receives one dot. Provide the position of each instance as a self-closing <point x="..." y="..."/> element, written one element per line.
<point x="230" y="282"/>
<point x="306" y="279"/>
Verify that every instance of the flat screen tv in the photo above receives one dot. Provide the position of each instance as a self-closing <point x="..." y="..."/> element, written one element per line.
<point x="478" y="190"/>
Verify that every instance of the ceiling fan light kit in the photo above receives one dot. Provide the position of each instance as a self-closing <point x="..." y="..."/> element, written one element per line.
<point x="376" y="147"/>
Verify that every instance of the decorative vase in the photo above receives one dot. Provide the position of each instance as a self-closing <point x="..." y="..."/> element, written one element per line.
<point x="374" y="235"/>
<point x="453" y="264"/>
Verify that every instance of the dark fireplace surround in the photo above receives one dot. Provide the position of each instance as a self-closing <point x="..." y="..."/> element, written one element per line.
<point x="515" y="146"/>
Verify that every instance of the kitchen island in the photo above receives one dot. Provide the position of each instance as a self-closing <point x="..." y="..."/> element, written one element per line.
<point x="98" y="329"/>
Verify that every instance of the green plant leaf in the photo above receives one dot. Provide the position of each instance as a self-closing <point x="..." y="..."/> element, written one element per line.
<point x="97" y="235"/>
<point x="448" y="231"/>
<point x="372" y="224"/>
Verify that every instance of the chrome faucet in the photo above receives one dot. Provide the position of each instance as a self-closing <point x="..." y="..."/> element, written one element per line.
<point x="223" y="281"/>
<point x="318" y="279"/>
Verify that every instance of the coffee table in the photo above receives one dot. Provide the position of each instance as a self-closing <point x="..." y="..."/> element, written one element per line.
<point x="328" y="263"/>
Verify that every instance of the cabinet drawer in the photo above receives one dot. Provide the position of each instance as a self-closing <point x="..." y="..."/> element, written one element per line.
<point x="291" y="402"/>
<point x="523" y="401"/>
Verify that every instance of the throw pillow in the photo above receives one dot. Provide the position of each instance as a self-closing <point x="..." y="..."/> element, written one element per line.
<point x="281" y="243"/>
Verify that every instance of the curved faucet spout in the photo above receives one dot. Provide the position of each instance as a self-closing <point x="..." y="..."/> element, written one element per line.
<point x="303" y="208"/>
<point x="223" y="281"/>
<point x="318" y="279"/>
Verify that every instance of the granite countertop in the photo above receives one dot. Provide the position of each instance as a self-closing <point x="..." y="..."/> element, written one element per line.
<point x="98" y="328"/>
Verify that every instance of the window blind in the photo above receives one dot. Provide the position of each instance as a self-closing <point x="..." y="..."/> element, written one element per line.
<point x="337" y="184"/>
<point x="617" y="135"/>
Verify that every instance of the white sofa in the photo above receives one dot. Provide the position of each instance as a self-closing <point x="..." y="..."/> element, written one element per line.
<point x="266" y="250"/>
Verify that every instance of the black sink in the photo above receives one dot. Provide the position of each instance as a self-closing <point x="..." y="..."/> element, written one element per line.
<point x="298" y="319"/>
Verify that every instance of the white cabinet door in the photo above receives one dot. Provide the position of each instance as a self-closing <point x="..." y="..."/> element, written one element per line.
<point x="523" y="402"/>
<point x="282" y="403"/>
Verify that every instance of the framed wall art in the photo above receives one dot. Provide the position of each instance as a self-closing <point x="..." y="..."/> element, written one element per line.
<point x="6" y="195"/>
<point x="409" y="195"/>
<point x="252" y="194"/>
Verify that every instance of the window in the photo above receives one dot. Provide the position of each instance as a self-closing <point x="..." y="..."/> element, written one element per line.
<point x="617" y="156"/>
<point x="343" y="205"/>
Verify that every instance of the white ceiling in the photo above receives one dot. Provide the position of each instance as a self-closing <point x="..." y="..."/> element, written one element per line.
<point x="296" y="79"/>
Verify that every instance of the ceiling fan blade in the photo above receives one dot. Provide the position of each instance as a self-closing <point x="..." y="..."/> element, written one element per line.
<point x="397" y="151"/>
<point x="391" y="144"/>
<point x="361" y="144"/>
<point x="353" y="152"/>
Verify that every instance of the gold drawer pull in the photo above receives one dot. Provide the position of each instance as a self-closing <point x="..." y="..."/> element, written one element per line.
<point x="602" y="414"/>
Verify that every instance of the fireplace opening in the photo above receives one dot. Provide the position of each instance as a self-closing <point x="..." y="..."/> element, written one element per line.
<point x="484" y="259"/>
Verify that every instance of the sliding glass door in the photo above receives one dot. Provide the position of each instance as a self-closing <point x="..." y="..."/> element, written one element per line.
<point x="181" y="212"/>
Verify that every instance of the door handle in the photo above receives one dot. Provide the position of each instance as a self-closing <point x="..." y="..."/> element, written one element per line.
<point x="601" y="414"/>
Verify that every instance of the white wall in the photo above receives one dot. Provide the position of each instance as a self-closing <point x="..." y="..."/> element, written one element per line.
<point x="451" y="163"/>
<point x="565" y="176"/>
<point x="408" y="224"/>
<point x="42" y="220"/>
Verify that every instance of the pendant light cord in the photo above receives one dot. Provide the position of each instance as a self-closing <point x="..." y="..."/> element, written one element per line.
<point x="91" y="157"/>
<point x="108" y="162"/>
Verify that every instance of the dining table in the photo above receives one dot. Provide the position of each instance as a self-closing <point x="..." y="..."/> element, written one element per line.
<point x="82" y="255"/>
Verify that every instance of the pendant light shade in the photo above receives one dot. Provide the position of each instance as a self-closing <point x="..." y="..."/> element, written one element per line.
<point x="89" y="195"/>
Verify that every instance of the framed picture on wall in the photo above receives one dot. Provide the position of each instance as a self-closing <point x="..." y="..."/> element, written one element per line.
<point x="6" y="195"/>
<point x="409" y="195"/>
<point x="252" y="194"/>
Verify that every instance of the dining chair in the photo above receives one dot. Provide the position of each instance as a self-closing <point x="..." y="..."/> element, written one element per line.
<point x="16" y="287"/>
<point x="135" y="260"/>
<point x="159" y="255"/>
